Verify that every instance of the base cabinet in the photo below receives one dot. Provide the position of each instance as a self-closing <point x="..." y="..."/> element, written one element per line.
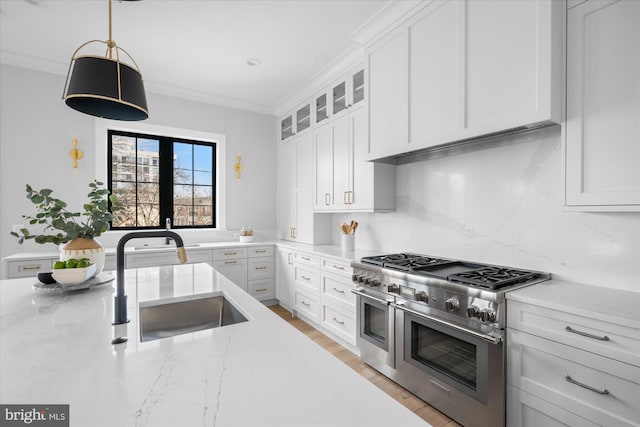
<point x="284" y="277"/>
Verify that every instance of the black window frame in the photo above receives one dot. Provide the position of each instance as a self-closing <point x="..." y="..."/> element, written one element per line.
<point x="165" y="178"/>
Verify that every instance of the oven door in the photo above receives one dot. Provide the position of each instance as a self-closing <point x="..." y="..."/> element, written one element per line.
<point x="375" y="338"/>
<point x="461" y="373"/>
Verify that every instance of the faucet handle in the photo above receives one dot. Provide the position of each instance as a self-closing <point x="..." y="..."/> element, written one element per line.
<point x="167" y="223"/>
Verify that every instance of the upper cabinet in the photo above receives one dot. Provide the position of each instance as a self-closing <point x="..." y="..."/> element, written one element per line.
<point x="602" y="133"/>
<point x="296" y="122"/>
<point x="459" y="70"/>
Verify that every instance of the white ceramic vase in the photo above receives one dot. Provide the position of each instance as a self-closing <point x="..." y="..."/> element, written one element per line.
<point x="84" y="248"/>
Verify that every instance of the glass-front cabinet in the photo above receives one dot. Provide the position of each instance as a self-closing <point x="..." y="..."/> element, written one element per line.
<point x="322" y="107"/>
<point x="349" y="91"/>
<point x="296" y="121"/>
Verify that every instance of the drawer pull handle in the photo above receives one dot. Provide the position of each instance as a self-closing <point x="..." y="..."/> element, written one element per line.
<point x="585" y="334"/>
<point x="230" y="253"/>
<point x="261" y="251"/>
<point x="306" y="258"/>
<point x="261" y="290"/>
<point x="261" y="268"/>
<point x="588" y="387"/>
<point x="339" y="322"/>
<point x="305" y="304"/>
<point x="338" y="290"/>
<point x="32" y="267"/>
<point x="230" y="262"/>
<point x="306" y="278"/>
<point x="289" y="258"/>
<point x="338" y="267"/>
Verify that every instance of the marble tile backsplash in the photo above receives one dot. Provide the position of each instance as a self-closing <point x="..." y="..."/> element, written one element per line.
<point x="504" y="205"/>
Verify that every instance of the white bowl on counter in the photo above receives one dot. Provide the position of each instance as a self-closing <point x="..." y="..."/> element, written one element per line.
<point x="74" y="276"/>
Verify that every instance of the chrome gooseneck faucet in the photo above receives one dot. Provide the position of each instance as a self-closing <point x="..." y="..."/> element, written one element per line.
<point x="120" y="300"/>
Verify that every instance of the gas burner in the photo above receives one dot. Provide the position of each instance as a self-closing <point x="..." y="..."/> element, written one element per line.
<point x="493" y="277"/>
<point x="416" y="264"/>
<point x="389" y="259"/>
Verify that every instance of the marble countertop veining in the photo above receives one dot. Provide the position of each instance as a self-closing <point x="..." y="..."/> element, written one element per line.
<point x="56" y="349"/>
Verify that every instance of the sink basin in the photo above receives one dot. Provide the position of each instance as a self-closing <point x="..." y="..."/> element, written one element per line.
<point x="182" y="315"/>
<point x="169" y="246"/>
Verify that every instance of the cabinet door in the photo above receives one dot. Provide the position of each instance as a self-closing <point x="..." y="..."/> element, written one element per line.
<point x="234" y="269"/>
<point x="303" y="166"/>
<point x="342" y="159"/>
<point x="303" y="118"/>
<point x="287" y="167"/>
<point x="388" y="94"/>
<point x="286" y="215"/>
<point x="286" y="127"/>
<point x="603" y="105"/>
<point x="362" y="176"/>
<point x="323" y="148"/>
<point x="436" y="101"/>
<point x="510" y="63"/>
<point x="284" y="276"/>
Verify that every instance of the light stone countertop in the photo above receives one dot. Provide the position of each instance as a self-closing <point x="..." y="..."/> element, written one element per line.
<point x="595" y="302"/>
<point x="56" y="349"/>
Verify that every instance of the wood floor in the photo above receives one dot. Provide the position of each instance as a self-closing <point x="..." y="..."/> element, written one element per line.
<point x="419" y="407"/>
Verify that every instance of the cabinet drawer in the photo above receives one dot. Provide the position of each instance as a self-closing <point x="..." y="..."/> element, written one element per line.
<point x="342" y="267"/>
<point x="307" y="305"/>
<point x="622" y="342"/>
<point x="28" y="268"/>
<point x="260" y="268"/>
<point x="526" y="410"/>
<point x="261" y="289"/>
<point x="575" y="379"/>
<point x="307" y="259"/>
<point x="339" y="322"/>
<point x="156" y="258"/>
<point x="338" y="288"/>
<point x="308" y="279"/>
<point x="260" y="251"/>
<point x="229" y="253"/>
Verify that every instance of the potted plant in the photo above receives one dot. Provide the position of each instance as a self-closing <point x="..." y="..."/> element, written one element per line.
<point x="77" y="230"/>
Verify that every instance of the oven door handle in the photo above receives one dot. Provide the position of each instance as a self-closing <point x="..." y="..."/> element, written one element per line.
<point x="490" y="338"/>
<point x="362" y="294"/>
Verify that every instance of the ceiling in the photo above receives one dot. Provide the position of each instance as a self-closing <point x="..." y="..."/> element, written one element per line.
<point x="195" y="49"/>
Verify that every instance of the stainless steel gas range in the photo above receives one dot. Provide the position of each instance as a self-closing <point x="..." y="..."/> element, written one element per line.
<point x="436" y="326"/>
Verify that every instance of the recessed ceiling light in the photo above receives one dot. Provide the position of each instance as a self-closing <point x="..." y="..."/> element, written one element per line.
<point x="253" y="62"/>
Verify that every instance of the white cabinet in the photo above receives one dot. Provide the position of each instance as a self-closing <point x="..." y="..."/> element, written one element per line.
<point x="338" y="311"/>
<point x="232" y="263"/>
<point x="296" y="220"/>
<point x="296" y="122"/>
<point x="572" y="369"/>
<point x="461" y="70"/>
<point x="306" y="288"/>
<point x="29" y="267"/>
<point x="388" y="95"/>
<point x="348" y="91"/>
<point x="260" y="273"/>
<point x="344" y="180"/>
<point x="154" y="258"/>
<point x="602" y="133"/>
<point x="284" y="277"/>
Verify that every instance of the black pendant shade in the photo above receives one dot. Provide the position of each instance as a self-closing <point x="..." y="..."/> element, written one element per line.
<point x="107" y="88"/>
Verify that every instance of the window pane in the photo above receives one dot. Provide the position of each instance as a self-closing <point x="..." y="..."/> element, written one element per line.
<point x="182" y="215"/>
<point x="182" y="176"/>
<point x="148" y="215"/>
<point x="202" y="215"/>
<point x="202" y="195"/>
<point x="202" y="178"/>
<point x="182" y="194"/>
<point x="182" y="155"/>
<point x="148" y="153"/>
<point x="125" y="217"/>
<point x="203" y="155"/>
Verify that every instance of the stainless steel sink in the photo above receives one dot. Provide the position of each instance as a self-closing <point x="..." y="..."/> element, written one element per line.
<point x="182" y="315"/>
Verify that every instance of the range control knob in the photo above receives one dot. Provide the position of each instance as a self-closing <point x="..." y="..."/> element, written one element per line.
<point x="422" y="296"/>
<point x="392" y="287"/>
<point x="374" y="282"/>
<point x="473" y="311"/>
<point x="366" y="280"/>
<point x="354" y="277"/>
<point x="488" y="315"/>
<point x="452" y="304"/>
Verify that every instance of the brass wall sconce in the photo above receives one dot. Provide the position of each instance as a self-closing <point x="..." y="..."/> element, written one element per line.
<point x="238" y="167"/>
<point x="76" y="154"/>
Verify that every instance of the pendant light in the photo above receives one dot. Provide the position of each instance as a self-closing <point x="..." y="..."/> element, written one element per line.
<point x="103" y="86"/>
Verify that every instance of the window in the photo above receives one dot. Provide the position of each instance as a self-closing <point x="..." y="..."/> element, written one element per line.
<point x="158" y="177"/>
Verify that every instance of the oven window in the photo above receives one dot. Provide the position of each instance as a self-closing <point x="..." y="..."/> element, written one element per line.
<point x="444" y="353"/>
<point x="375" y="323"/>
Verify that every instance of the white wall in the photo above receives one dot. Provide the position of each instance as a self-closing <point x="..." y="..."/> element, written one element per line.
<point x="36" y="129"/>
<point x="503" y="205"/>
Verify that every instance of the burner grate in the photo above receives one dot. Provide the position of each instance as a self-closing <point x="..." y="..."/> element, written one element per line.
<point x="493" y="277"/>
<point x="384" y="260"/>
<point x="416" y="264"/>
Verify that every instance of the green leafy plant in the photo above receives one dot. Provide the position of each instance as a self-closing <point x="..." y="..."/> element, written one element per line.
<point x="61" y="225"/>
